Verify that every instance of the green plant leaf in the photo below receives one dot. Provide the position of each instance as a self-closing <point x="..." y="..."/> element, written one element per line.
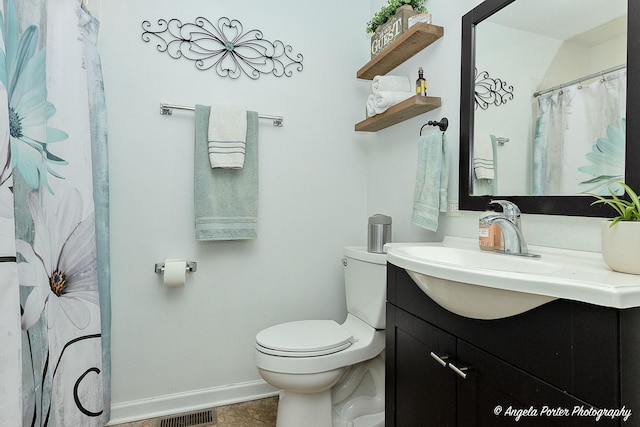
<point x="628" y="210"/>
<point x="389" y="10"/>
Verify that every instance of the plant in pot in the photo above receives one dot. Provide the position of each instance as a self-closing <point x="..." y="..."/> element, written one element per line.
<point x="621" y="235"/>
<point x="390" y="9"/>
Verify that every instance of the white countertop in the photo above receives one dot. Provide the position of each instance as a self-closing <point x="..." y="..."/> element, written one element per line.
<point x="559" y="273"/>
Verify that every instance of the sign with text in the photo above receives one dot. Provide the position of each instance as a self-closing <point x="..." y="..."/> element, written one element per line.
<point x="390" y="30"/>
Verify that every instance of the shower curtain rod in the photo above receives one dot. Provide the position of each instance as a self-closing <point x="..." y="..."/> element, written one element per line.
<point x="581" y="79"/>
<point x="166" y="109"/>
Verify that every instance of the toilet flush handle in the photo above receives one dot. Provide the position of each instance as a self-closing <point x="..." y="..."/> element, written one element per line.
<point x="344" y="261"/>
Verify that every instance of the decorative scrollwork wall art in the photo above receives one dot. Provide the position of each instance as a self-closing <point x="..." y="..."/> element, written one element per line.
<point x="225" y="47"/>
<point x="491" y="91"/>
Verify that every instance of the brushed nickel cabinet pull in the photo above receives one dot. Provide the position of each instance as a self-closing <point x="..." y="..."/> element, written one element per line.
<point x="460" y="371"/>
<point x="440" y="359"/>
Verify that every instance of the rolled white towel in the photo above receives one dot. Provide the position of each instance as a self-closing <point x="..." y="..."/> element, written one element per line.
<point x="383" y="100"/>
<point x="390" y="83"/>
<point x="371" y="108"/>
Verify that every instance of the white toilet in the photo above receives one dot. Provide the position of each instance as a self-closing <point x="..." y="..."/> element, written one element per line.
<point x="306" y="359"/>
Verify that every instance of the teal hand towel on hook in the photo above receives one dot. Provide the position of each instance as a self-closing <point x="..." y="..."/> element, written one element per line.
<point x="226" y="200"/>
<point x="432" y="180"/>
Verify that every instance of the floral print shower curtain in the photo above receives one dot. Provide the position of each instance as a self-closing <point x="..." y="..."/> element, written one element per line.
<point x="54" y="269"/>
<point x="579" y="140"/>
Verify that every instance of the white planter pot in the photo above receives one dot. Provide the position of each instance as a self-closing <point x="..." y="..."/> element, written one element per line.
<point x="621" y="246"/>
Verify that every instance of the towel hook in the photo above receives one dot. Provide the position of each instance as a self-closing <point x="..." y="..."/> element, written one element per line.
<point x="442" y="124"/>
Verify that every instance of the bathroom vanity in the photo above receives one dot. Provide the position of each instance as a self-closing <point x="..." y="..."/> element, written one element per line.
<point x="562" y="359"/>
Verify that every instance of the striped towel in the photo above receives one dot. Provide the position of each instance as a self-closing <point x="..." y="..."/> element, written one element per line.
<point x="483" y="160"/>
<point x="227" y="136"/>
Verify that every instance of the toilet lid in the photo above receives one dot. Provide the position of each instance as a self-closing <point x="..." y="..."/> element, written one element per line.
<point x="304" y="338"/>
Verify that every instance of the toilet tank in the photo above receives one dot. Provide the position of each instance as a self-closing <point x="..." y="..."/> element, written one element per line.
<point x="365" y="279"/>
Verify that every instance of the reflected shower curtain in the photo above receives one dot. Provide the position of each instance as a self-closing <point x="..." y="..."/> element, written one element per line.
<point x="579" y="137"/>
<point x="54" y="259"/>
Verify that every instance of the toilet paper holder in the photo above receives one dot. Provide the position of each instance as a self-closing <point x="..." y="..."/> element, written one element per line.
<point x="191" y="267"/>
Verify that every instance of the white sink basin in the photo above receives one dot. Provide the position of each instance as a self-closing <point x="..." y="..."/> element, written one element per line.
<point x="485" y="285"/>
<point x="475" y="258"/>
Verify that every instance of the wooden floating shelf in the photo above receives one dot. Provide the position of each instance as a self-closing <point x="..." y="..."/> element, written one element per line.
<point x="405" y="110"/>
<point x="404" y="47"/>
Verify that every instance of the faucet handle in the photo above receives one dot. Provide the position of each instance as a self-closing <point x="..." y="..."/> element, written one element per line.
<point x="510" y="209"/>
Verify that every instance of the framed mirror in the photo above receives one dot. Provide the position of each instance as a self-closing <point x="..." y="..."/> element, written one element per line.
<point x="533" y="70"/>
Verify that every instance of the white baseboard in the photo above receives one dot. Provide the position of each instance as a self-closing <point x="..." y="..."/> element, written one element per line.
<point x="196" y="400"/>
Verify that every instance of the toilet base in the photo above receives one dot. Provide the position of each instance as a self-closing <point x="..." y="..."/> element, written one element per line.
<point x="347" y="397"/>
<point x="314" y="409"/>
<point x="358" y="398"/>
<point x="305" y="400"/>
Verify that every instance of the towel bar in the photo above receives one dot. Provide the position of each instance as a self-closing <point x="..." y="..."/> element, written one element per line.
<point x="167" y="110"/>
<point x="442" y="124"/>
<point x="191" y="267"/>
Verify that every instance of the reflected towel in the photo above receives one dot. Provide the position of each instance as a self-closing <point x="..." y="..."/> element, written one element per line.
<point x="488" y="187"/>
<point x="483" y="161"/>
<point x="226" y="200"/>
<point x="432" y="180"/>
<point x="227" y="132"/>
<point x="380" y="102"/>
<point x="391" y="83"/>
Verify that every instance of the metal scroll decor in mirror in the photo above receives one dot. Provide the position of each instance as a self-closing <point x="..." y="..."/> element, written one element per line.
<point x="572" y="129"/>
<point x="225" y="47"/>
<point x="490" y="91"/>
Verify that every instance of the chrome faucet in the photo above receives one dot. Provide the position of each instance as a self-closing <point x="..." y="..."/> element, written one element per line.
<point x="511" y="227"/>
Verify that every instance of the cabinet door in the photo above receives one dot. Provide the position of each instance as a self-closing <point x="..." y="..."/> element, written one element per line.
<point x="425" y="388"/>
<point x="496" y="394"/>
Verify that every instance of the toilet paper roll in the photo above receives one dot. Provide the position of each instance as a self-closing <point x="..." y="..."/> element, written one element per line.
<point x="175" y="273"/>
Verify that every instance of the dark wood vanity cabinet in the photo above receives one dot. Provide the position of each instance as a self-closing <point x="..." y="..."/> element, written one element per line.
<point x="562" y="357"/>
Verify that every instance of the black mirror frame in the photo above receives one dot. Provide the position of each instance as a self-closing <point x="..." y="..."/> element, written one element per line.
<point x="549" y="205"/>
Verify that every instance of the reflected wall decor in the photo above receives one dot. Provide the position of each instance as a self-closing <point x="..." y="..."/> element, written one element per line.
<point x="491" y="91"/>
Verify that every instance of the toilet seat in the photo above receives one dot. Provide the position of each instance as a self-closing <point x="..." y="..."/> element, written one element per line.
<point x="304" y="338"/>
<point x="366" y="343"/>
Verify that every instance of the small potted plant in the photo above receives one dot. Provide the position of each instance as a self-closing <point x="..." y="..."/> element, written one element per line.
<point x="621" y="235"/>
<point x="390" y="9"/>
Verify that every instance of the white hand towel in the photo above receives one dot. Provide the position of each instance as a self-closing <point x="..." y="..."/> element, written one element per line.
<point x="391" y="83"/>
<point x="483" y="161"/>
<point x="380" y="102"/>
<point x="227" y="136"/>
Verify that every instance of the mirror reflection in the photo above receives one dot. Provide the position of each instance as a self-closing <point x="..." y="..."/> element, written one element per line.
<point x="550" y="89"/>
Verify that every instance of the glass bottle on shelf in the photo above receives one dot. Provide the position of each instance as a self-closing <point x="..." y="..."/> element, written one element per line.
<point x="421" y="84"/>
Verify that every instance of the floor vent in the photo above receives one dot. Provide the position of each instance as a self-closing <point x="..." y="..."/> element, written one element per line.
<point x="192" y="419"/>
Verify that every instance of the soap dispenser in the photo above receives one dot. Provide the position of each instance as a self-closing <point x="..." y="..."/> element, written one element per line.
<point x="489" y="236"/>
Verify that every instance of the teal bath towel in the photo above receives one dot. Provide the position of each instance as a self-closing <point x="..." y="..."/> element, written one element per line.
<point x="432" y="180"/>
<point x="226" y="200"/>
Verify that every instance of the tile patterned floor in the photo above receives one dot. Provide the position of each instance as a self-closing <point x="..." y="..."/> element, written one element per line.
<point x="257" y="413"/>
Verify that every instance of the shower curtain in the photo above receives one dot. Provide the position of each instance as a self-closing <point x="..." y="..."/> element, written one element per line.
<point x="54" y="259"/>
<point x="580" y="137"/>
